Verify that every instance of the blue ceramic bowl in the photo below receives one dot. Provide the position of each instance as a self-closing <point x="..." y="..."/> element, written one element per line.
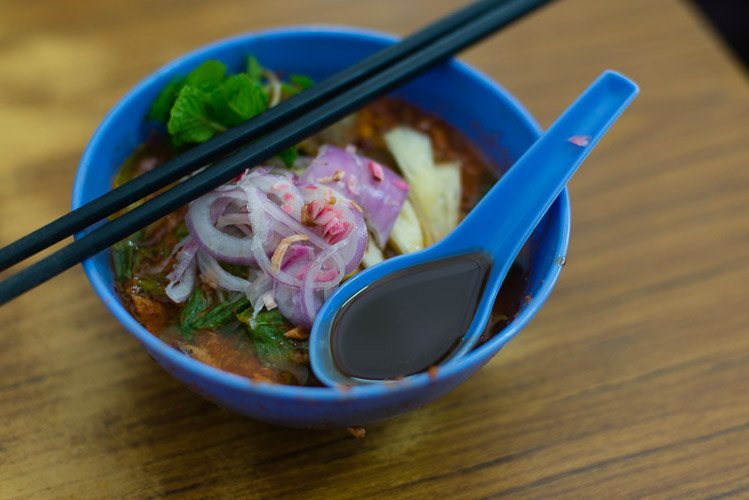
<point x="469" y="100"/>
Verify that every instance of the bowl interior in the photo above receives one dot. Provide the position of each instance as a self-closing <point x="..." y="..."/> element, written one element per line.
<point x="480" y="108"/>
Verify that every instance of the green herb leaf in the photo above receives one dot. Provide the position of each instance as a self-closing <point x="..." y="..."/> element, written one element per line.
<point x="165" y="100"/>
<point x="190" y="119"/>
<point x="239" y="270"/>
<point x="301" y="81"/>
<point x="289" y="156"/>
<point x="238" y="99"/>
<point x="127" y="170"/>
<point x="298" y="83"/>
<point x="207" y="76"/>
<point x="289" y="90"/>
<point x="269" y="342"/>
<point x="182" y="232"/>
<point x="222" y="313"/>
<point x="254" y="70"/>
<point x="152" y="285"/>
<point x="196" y="305"/>
<point x="122" y="259"/>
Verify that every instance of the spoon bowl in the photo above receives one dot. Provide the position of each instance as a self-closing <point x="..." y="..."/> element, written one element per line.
<point x="378" y="312"/>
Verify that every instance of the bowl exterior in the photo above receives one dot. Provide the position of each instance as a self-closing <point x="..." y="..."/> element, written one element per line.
<point x="455" y="91"/>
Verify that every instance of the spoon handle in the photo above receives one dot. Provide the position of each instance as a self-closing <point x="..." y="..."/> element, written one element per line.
<point x="507" y="215"/>
<point x="505" y="218"/>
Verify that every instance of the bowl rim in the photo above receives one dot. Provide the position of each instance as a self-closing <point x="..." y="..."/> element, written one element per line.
<point x="303" y="393"/>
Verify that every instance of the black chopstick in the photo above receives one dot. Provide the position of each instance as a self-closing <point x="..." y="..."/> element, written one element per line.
<point x="201" y="155"/>
<point x="269" y="145"/>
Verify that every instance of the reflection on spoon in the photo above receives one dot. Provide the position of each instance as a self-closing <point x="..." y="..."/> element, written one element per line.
<point x="410" y="312"/>
<point x="363" y="337"/>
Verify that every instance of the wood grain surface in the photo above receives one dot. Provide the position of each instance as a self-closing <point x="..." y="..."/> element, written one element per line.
<point x="633" y="381"/>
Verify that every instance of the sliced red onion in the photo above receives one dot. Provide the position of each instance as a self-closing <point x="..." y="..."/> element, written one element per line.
<point x="218" y="277"/>
<point x="280" y="187"/>
<point x="213" y="241"/>
<point x="289" y="303"/>
<point x="239" y="221"/>
<point x="324" y="231"/>
<point x="291" y="225"/>
<point x="377" y="189"/>
<point x="218" y="207"/>
<point x="360" y="236"/>
<point x="353" y="252"/>
<point x="184" y="258"/>
<point x="180" y="289"/>
<point x="160" y="266"/>
<point x="285" y="172"/>
<point x="310" y="302"/>
<point x="269" y="301"/>
<point x="257" y="291"/>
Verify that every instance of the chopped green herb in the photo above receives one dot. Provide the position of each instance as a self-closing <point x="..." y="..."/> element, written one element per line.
<point x="182" y="232"/>
<point x="196" y="305"/>
<point x="289" y="90"/>
<point x="122" y="258"/>
<point x="301" y="81"/>
<point x="165" y="100"/>
<point x="222" y="313"/>
<point x="298" y="83"/>
<point x="152" y="285"/>
<point x="238" y="99"/>
<point x="289" y="156"/>
<point x="240" y="270"/>
<point x="207" y="76"/>
<point x="254" y="70"/>
<point x="190" y="119"/>
<point x="127" y="171"/>
<point x="269" y="342"/>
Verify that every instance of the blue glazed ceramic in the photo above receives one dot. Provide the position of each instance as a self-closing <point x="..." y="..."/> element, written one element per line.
<point x="469" y="100"/>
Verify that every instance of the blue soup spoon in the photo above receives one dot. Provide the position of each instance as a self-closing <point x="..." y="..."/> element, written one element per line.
<point x="426" y="308"/>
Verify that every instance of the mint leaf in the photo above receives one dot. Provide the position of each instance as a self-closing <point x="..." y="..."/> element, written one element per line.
<point x="190" y="119"/>
<point x="207" y="76"/>
<point x="164" y="101"/>
<point x="289" y="156"/>
<point x="301" y="81"/>
<point x="238" y="99"/>
<point x="254" y="70"/>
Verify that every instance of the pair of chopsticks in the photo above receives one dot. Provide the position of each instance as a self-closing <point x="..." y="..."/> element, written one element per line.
<point x="273" y="131"/>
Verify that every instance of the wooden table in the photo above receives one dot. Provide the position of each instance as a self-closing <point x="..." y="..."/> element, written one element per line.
<point x="632" y="381"/>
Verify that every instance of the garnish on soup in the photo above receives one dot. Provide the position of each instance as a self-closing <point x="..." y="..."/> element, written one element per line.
<point x="236" y="278"/>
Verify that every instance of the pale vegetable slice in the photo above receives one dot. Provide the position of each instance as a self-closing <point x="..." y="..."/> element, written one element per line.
<point x="447" y="211"/>
<point x="413" y="152"/>
<point x="372" y="255"/>
<point x="406" y="236"/>
<point x="435" y="190"/>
